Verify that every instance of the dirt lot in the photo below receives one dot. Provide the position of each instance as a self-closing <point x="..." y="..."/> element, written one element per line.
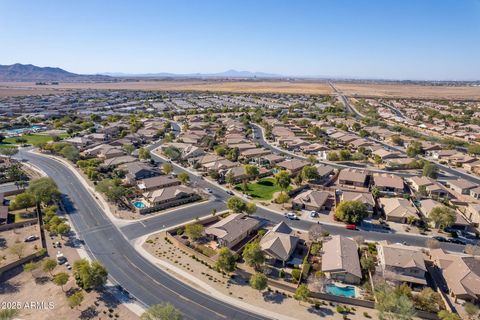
<point x="28" y="88"/>
<point x="24" y="287"/>
<point x="409" y="91"/>
<point x="15" y="237"/>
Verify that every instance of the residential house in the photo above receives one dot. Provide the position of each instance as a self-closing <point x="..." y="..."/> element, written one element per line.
<point x="157" y="182"/>
<point x="138" y="171"/>
<point x="431" y="187"/>
<point x="364" y="197"/>
<point x="293" y="166"/>
<point x="313" y="200"/>
<point x="388" y="183"/>
<point x="231" y="230"/>
<point x="340" y="260"/>
<point x="272" y="159"/>
<point x="398" y="209"/>
<point x="239" y="174"/>
<point x="461" y="273"/>
<point x="462" y="186"/>
<point x="324" y="172"/>
<point x="472" y="212"/>
<point x="254" y="153"/>
<point x="279" y="243"/>
<point x="401" y="264"/>
<point x="353" y="177"/>
<point x="168" y="197"/>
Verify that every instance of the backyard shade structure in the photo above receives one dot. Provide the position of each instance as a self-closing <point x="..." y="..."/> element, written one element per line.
<point x="340" y="260"/>
<point x="233" y="229"/>
<point x="279" y="242"/>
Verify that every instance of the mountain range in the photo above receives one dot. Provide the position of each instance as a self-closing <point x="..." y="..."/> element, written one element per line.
<point x="226" y="74"/>
<point x="29" y="72"/>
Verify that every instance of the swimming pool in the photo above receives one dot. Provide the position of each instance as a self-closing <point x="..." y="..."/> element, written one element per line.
<point x="139" y="204"/>
<point x="347" y="291"/>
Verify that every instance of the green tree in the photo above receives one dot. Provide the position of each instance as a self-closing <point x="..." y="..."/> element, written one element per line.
<point x="447" y="315"/>
<point x="474" y="149"/>
<point x="70" y="152"/>
<point x="9" y="314"/>
<point x="89" y="275"/>
<point x="129" y="148"/>
<point x="309" y="173"/>
<point x="183" y="177"/>
<point x="49" y="265"/>
<point x="230" y="177"/>
<point x="351" y="211"/>
<point x="345" y="155"/>
<point x="414" y="148"/>
<point x="283" y="180"/>
<point x="144" y="154"/>
<point x="367" y="263"/>
<point x="250" y="208"/>
<point x="251" y="170"/>
<point x="430" y="170"/>
<point x="23" y="201"/>
<point x="442" y="216"/>
<point x="258" y="281"/>
<point x="63" y="229"/>
<point x="9" y="151"/>
<point x="167" y="168"/>
<point x="302" y="293"/>
<point x="282" y="198"/>
<point x="75" y="299"/>
<point x="333" y="156"/>
<point x="235" y="204"/>
<point x="163" y="311"/>
<point x="172" y="153"/>
<point x="112" y="189"/>
<point x="253" y="255"/>
<point x="428" y="300"/>
<point x="61" y="279"/>
<point x="397" y="140"/>
<point x="226" y="260"/>
<point x="392" y="304"/>
<point x="194" y="231"/>
<point x="220" y="150"/>
<point x="18" y="249"/>
<point x="30" y="266"/>
<point x="44" y="190"/>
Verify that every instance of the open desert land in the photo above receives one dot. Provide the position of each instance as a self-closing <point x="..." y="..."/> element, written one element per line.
<point x="29" y="88"/>
<point x="409" y="91"/>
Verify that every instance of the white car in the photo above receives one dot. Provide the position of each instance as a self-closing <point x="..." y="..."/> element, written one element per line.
<point x="30" y="238"/>
<point x="291" y="216"/>
<point x="313" y="214"/>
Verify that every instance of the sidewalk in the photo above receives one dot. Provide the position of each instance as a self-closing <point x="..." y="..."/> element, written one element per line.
<point x="83" y="254"/>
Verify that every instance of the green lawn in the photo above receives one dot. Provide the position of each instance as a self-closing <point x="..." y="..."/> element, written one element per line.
<point x="31" y="139"/>
<point x="263" y="189"/>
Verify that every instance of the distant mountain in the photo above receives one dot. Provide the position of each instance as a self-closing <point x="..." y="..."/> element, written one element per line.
<point x="226" y="74"/>
<point x="29" y="72"/>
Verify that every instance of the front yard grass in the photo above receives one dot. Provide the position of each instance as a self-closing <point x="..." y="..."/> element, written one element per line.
<point x="30" y="138"/>
<point x="263" y="189"/>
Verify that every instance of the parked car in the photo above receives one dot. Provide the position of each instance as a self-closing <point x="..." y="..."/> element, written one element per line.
<point x="208" y="190"/>
<point x="351" y="227"/>
<point x="30" y="238"/>
<point x="61" y="259"/>
<point x="457" y="241"/>
<point x="68" y="266"/>
<point x="291" y="216"/>
<point x="440" y="239"/>
<point x="313" y="214"/>
<point x="230" y="192"/>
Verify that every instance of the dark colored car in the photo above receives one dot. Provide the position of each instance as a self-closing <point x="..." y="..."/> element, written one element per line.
<point x="457" y="241"/>
<point x="441" y="239"/>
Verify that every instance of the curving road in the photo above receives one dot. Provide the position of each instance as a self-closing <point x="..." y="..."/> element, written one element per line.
<point x="126" y="266"/>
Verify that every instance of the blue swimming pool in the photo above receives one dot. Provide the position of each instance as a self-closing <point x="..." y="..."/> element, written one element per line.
<point x="347" y="291"/>
<point x="139" y="204"/>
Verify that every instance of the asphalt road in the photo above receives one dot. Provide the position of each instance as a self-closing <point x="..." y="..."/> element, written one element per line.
<point x="126" y="266"/>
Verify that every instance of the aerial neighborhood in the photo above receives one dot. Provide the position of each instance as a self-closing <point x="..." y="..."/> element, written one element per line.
<point x="336" y="203"/>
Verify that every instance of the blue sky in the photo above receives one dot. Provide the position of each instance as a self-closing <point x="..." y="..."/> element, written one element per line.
<point x="394" y="39"/>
